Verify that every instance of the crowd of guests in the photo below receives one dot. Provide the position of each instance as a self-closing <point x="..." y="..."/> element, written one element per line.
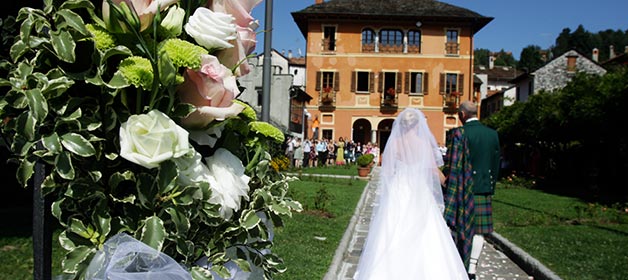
<point x="326" y="152"/>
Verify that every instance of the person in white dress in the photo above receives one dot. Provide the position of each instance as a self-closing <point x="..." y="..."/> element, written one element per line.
<point x="408" y="237"/>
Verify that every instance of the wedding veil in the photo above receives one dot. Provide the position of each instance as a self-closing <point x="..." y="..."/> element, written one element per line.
<point x="412" y="145"/>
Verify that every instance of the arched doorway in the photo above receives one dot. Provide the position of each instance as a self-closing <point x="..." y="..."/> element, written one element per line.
<point x="384" y="127"/>
<point x="361" y="131"/>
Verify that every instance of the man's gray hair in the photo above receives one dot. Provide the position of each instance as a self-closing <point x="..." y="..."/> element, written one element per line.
<point x="469" y="108"/>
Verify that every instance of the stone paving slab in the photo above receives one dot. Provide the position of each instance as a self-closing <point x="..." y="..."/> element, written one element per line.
<point x="494" y="264"/>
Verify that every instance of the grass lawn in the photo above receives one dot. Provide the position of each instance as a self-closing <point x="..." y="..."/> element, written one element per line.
<point x="349" y="170"/>
<point x="299" y="242"/>
<point x="576" y="240"/>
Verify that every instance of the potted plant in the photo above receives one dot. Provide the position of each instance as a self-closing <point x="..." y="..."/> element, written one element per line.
<point x="364" y="161"/>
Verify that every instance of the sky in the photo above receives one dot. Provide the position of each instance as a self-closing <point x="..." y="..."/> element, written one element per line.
<point x="516" y="24"/>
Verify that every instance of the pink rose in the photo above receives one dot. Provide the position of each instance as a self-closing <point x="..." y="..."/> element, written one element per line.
<point x="145" y="10"/>
<point x="210" y="89"/>
<point x="245" y="43"/>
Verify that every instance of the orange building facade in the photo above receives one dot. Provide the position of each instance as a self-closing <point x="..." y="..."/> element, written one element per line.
<point x="365" y="68"/>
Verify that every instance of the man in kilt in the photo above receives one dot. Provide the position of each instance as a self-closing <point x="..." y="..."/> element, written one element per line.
<point x="471" y="167"/>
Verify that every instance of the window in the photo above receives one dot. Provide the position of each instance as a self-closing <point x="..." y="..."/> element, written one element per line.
<point x="390" y="40"/>
<point x="571" y="63"/>
<point x="362" y="81"/>
<point x="368" y="40"/>
<point x="327" y="83"/>
<point x="451" y="47"/>
<point x="451" y="83"/>
<point x="414" y="41"/>
<point x="260" y="95"/>
<point x="328" y="80"/>
<point x="329" y="38"/>
<point x="416" y="83"/>
<point x="328" y="134"/>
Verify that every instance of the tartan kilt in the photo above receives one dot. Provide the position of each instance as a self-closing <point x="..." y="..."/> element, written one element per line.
<point x="483" y="214"/>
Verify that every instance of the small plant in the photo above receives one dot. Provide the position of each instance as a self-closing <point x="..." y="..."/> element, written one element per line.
<point x="365" y="159"/>
<point x="322" y="199"/>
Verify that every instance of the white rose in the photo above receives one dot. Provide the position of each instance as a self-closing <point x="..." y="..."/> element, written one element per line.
<point x="152" y="138"/>
<point x="227" y="181"/>
<point x="210" y="29"/>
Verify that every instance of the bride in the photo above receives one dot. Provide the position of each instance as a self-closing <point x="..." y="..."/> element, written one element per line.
<point x="408" y="237"/>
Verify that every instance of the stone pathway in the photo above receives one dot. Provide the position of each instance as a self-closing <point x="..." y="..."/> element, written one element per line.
<point x="493" y="264"/>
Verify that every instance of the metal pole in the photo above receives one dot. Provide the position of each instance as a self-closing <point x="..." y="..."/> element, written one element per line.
<point x="266" y="75"/>
<point x="42" y="233"/>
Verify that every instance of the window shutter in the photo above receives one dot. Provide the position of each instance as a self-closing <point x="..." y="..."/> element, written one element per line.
<point x="318" y="81"/>
<point x="380" y="82"/>
<point x="407" y="89"/>
<point x="425" y="86"/>
<point x="461" y="84"/>
<point x="353" y="77"/>
<point x="336" y="81"/>
<point x="443" y="76"/>
<point x="371" y="82"/>
<point x="398" y="76"/>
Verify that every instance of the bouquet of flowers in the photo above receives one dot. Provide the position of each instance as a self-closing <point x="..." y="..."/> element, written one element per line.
<point x="131" y="108"/>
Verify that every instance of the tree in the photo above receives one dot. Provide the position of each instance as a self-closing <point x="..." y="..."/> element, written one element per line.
<point x="480" y="57"/>
<point x="504" y="58"/>
<point x="530" y="58"/>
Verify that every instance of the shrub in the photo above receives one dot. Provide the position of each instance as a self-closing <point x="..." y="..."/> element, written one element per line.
<point x="365" y="159"/>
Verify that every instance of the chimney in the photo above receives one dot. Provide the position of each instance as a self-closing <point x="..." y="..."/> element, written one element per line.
<point x="595" y="54"/>
<point x="611" y="52"/>
<point x="626" y="49"/>
<point x="289" y="54"/>
<point x="491" y="61"/>
<point x="319" y="1"/>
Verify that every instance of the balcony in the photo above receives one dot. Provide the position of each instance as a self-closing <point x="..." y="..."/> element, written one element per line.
<point x="384" y="48"/>
<point x="452" y="48"/>
<point x="368" y="48"/>
<point x="327" y="100"/>
<point x="389" y="101"/>
<point x="450" y="102"/>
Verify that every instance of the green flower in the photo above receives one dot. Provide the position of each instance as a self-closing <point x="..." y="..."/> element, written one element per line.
<point x="248" y="112"/>
<point x="104" y="40"/>
<point x="183" y="53"/>
<point x="138" y="71"/>
<point x="267" y="130"/>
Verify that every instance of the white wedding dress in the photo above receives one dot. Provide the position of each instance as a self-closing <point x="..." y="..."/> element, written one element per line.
<point x="408" y="237"/>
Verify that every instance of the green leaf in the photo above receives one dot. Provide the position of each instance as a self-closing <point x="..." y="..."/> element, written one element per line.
<point x="26" y="27"/>
<point x="78" y="145"/>
<point x="243" y="264"/>
<point x="52" y="143"/>
<point x="222" y="271"/>
<point x="199" y="273"/>
<point x="181" y="222"/>
<point x="74" y="259"/>
<point x="153" y="233"/>
<point x="76" y="4"/>
<point x="28" y="123"/>
<point x="77" y="226"/>
<point x="167" y="176"/>
<point x="63" y="166"/>
<point x="118" y="81"/>
<point x="72" y="19"/>
<point x="56" y="86"/>
<point x="74" y="116"/>
<point x="63" y="44"/>
<point x="249" y="219"/>
<point x="182" y="110"/>
<point x="280" y="209"/>
<point x="167" y="71"/>
<point x="37" y="103"/>
<point x="25" y="171"/>
<point x="18" y="49"/>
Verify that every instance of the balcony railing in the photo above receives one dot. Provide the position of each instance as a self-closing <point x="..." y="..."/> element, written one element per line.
<point x="383" y="48"/>
<point x="389" y="100"/>
<point x="368" y="48"/>
<point x="327" y="99"/>
<point x="450" y="102"/>
<point x="452" y="48"/>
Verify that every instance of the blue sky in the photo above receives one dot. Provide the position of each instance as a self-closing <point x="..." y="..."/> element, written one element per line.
<point x="516" y="24"/>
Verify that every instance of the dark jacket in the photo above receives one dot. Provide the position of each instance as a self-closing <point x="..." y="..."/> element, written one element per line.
<point x="485" y="155"/>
